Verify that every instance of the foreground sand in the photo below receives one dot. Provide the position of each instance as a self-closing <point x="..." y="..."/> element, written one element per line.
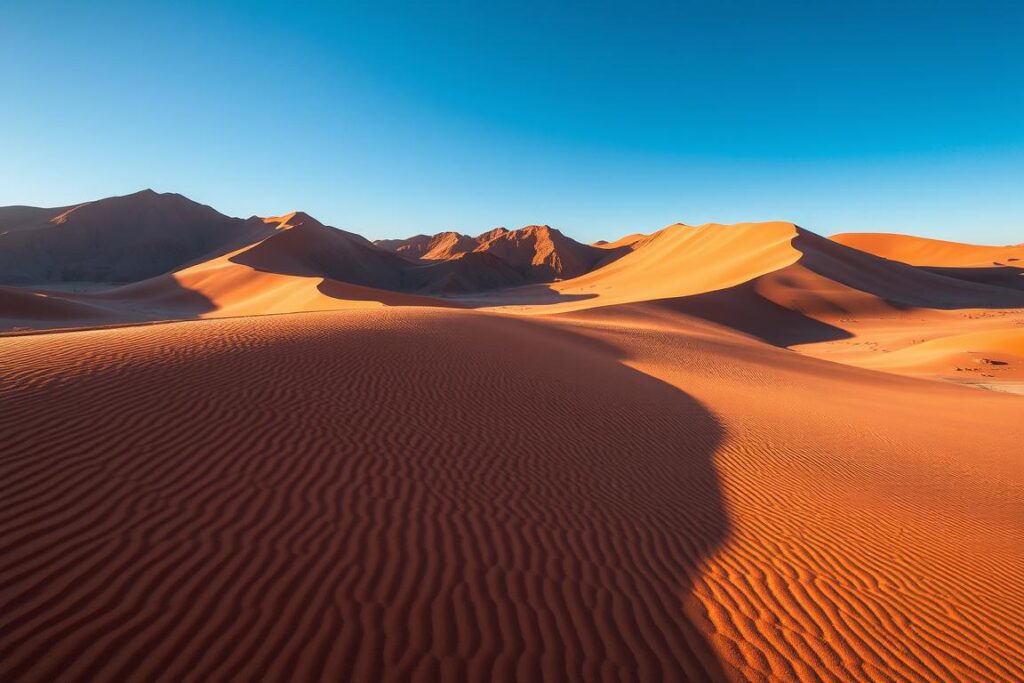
<point x="419" y="493"/>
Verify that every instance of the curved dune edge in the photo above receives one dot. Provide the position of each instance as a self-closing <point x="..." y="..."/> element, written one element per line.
<point x="233" y="290"/>
<point x="677" y="261"/>
<point x="773" y="281"/>
<point x="923" y="251"/>
<point x="628" y="502"/>
<point x="29" y="311"/>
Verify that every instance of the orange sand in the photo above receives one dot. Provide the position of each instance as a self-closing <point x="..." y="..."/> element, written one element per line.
<point x="639" y="473"/>
<point x="921" y="251"/>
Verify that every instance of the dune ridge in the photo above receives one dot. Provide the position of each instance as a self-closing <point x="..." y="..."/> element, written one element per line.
<point x="923" y="251"/>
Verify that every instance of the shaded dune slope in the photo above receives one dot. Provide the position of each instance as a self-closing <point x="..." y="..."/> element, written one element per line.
<point x="336" y="510"/>
<point x="17" y="218"/>
<point x="21" y="308"/>
<point x="1002" y="266"/>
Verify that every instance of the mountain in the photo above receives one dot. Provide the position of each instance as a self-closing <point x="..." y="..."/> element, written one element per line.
<point x="543" y="254"/>
<point x="535" y="253"/>
<point x="443" y="245"/>
<point x="118" y="239"/>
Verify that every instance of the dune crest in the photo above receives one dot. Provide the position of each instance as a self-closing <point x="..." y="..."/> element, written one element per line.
<point x="922" y="251"/>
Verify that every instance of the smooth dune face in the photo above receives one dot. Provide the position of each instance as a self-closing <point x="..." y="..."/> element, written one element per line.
<point x="709" y="453"/>
<point x="681" y="260"/>
<point x="921" y="251"/>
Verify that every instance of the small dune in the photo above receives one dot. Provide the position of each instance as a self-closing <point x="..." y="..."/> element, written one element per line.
<point x="990" y="353"/>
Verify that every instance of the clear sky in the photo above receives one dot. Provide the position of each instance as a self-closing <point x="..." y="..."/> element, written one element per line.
<point x="598" y="118"/>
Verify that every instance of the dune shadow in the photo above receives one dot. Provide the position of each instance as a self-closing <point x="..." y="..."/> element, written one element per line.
<point x="540" y="294"/>
<point x="996" y="275"/>
<point x="744" y="309"/>
<point x="158" y="299"/>
<point x="900" y="285"/>
<point x="429" y="497"/>
<point x="626" y="458"/>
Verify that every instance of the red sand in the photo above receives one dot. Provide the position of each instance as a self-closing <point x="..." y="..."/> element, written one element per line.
<point x="623" y="475"/>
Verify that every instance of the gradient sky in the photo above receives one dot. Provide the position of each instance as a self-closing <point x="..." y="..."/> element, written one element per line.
<point x="598" y="118"/>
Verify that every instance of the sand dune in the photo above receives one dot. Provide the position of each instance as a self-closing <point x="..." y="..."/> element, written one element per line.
<point x="921" y="251"/>
<point x="991" y="354"/>
<point x="415" y="493"/>
<point x="17" y="218"/>
<point x="22" y="309"/>
<point x="627" y="241"/>
<point x="1001" y="266"/>
<point x="683" y="261"/>
<point x="688" y="455"/>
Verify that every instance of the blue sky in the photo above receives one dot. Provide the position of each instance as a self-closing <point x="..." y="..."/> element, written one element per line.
<point x="597" y="118"/>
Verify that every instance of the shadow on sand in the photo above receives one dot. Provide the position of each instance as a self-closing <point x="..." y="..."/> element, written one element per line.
<point x="900" y="285"/>
<point x="430" y="497"/>
<point x="996" y="275"/>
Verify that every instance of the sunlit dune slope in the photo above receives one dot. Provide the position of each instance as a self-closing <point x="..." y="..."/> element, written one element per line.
<point x="1001" y="266"/>
<point x="989" y="354"/>
<point x="289" y="271"/>
<point x="681" y="260"/>
<point x="784" y="285"/>
<point x="627" y="241"/>
<point x="417" y="493"/>
<point x="790" y="266"/>
<point x="922" y="251"/>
